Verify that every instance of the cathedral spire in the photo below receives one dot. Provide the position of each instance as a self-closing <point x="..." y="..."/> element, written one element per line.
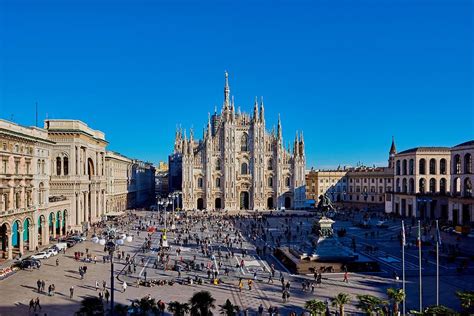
<point x="279" y="131"/>
<point x="262" y="111"/>
<point x="209" y="124"/>
<point x="255" y="110"/>
<point x="393" y="149"/>
<point x="226" y="91"/>
<point x="296" y="145"/>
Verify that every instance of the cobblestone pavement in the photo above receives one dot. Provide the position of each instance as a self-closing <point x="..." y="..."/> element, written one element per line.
<point x="17" y="290"/>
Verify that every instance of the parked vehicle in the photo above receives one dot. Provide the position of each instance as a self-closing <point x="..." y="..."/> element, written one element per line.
<point x="28" y="264"/>
<point x="41" y="255"/>
<point x="78" y="238"/>
<point x="52" y="250"/>
<point x="61" y="245"/>
<point x="70" y="243"/>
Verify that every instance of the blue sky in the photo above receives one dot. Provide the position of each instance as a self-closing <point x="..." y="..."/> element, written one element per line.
<point x="350" y="74"/>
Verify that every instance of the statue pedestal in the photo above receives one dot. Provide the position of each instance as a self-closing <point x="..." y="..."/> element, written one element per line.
<point x="328" y="248"/>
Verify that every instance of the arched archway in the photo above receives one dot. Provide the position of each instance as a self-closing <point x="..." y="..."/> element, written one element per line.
<point x="90" y="167"/>
<point x="42" y="230"/>
<point x="64" y="222"/>
<point x="287" y="202"/>
<point x="4" y="231"/>
<point x="26" y="233"/>
<point x="244" y="200"/>
<point x="57" y="225"/>
<point x="51" y="224"/>
<point x="200" y="204"/>
<point x="270" y="203"/>
<point x="16" y="234"/>
<point x="218" y="204"/>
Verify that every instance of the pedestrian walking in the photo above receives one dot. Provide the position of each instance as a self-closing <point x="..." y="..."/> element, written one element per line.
<point x="57" y="262"/>
<point x="241" y="285"/>
<point x="104" y="285"/>
<point x="124" y="286"/>
<point x="32" y="305"/>
<point x="43" y="285"/>
<point x="107" y="295"/>
<point x="71" y="291"/>
<point x="37" y="303"/>
<point x="250" y="282"/>
<point x="346" y="277"/>
<point x="38" y="283"/>
<point x="96" y="285"/>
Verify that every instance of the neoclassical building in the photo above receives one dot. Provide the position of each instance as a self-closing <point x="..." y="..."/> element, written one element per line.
<point x="461" y="201"/>
<point x="28" y="214"/>
<point x="78" y="169"/>
<point x="238" y="164"/>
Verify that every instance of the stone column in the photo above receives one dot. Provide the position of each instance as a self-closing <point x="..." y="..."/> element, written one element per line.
<point x="32" y="241"/>
<point x="54" y="228"/>
<point x="21" y="242"/>
<point x="10" y="245"/>
<point x="92" y="206"/>
<point x="45" y="232"/>
<point x="61" y="226"/>
<point x="86" y="206"/>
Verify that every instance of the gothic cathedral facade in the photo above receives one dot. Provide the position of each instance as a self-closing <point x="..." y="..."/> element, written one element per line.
<point x="239" y="164"/>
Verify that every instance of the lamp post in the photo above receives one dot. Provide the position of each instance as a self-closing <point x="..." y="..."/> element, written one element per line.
<point x="111" y="245"/>
<point x="163" y="202"/>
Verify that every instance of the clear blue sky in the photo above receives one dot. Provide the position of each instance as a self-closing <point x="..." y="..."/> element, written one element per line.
<point x="349" y="73"/>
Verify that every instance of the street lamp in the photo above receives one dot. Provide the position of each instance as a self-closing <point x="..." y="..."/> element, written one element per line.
<point x="111" y="245"/>
<point x="164" y="202"/>
<point x="172" y="197"/>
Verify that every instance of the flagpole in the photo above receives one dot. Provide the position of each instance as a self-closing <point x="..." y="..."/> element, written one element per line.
<point x="403" y="265"/>
<point x="437" y="264"/>
<point x="419" y="264"/>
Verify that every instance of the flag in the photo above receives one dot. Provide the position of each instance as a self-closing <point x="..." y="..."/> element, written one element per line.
<point x="418" y="238"/>
<point x="437" y="235"/>
<point x="404" y="240"/>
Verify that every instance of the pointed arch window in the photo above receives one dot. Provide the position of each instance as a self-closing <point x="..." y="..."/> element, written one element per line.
<point x="58" y="166"/>
<point x="66" y="166"/>
<point x="468" y="163"/>
<point x="270" y="182"/>
<point x="218" y="182"/>
<point x="270" y="164"/>
<point x="244" y="168"/>
<point x="287" y="182"/>
<point x="218" y="164"/>
<point x="244" y="143"/>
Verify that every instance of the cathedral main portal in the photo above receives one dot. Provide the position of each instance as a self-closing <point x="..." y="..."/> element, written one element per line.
<point x="244" y="200"/>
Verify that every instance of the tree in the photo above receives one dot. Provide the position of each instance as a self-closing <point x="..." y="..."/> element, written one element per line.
<point x="396" y="296"/>
<point x="229" y="309"/>
<point x="438" y="310"/>
<point x="466" y="298"/>
<point x="91" y="306"/>
<point x="120" y="309"/>
<point x="339" y="301"/>
<point x="145" y="305"/>
<point x="369" y="303"/>
<point x="315" y="307"/>
<point x="178" y="309"/>
<point x="201" y="303"/>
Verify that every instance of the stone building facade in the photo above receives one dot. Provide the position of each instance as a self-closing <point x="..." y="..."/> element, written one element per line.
<point x="27" y="218"/>
<point x="239" y="164"/>
<point x="359" y="186"/>
<point x="118" y="174"/>
<point x="422" y="177"/>
<point x="461" y="200"/>
<point x="53" y="180"/>
<point x="78" y="169"/>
